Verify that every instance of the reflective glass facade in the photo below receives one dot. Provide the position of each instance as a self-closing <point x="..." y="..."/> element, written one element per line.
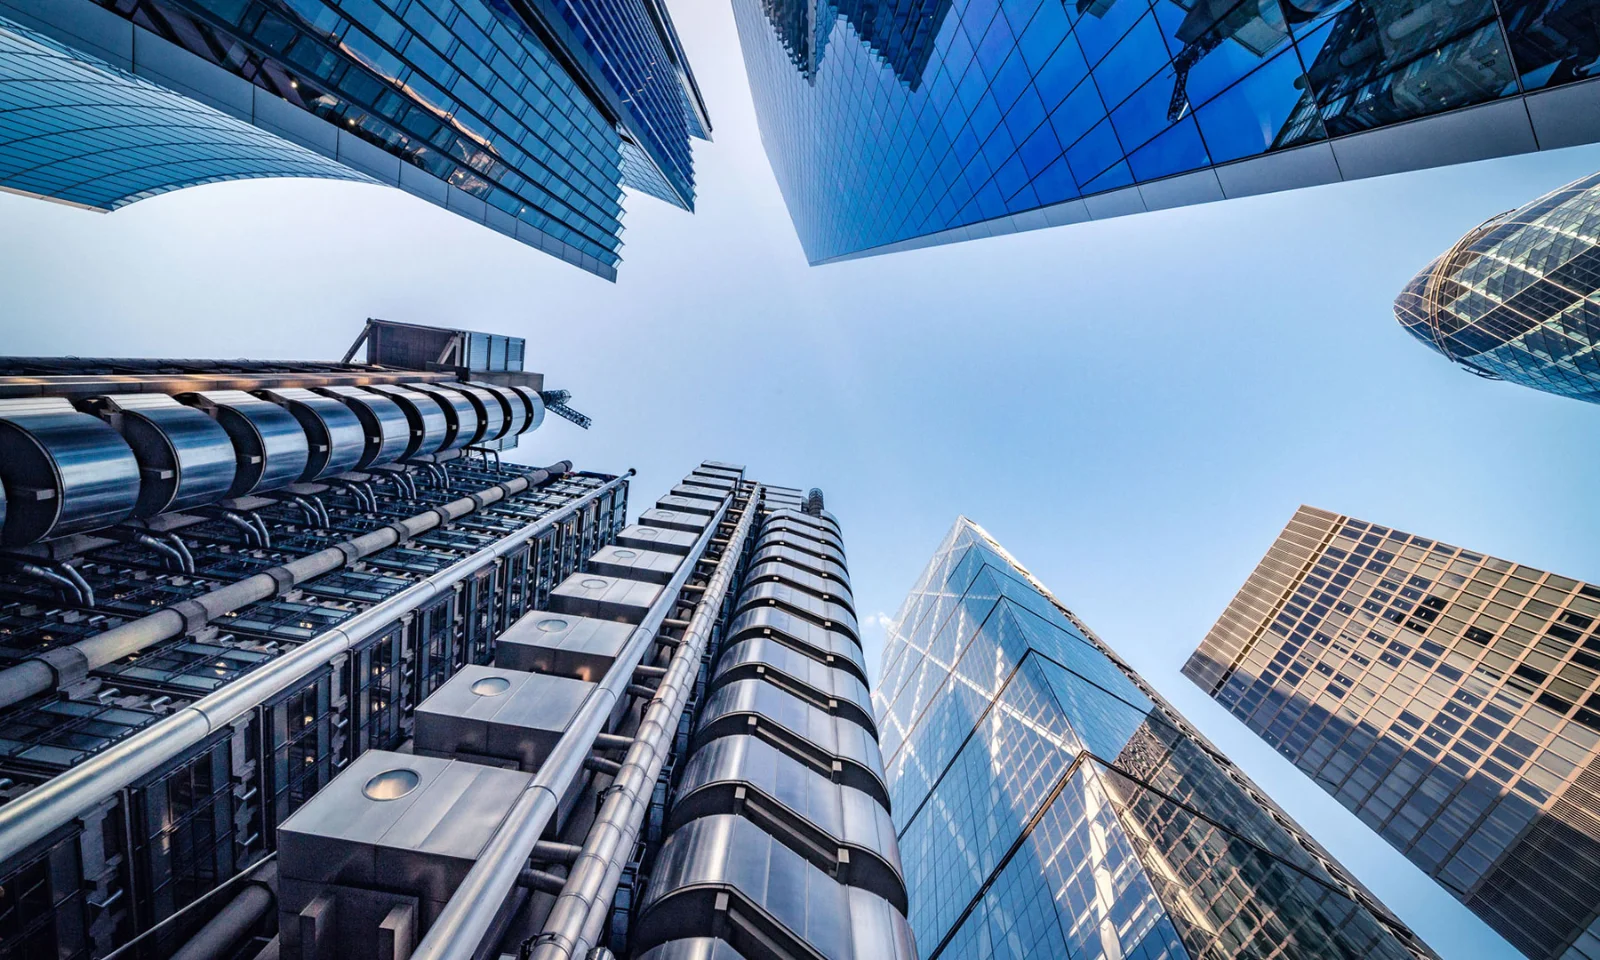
<point x="894" y="125"/>
<point x="1049" y="803"/>
<point x="81" y="131"/>
<point x="1519" y="298"/>
<point x="1445" y="697"/>
<point x="529" y="115"/>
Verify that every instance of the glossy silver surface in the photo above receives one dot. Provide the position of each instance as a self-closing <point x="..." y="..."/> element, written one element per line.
<point x="631" y="563"/>
<point x="513" y="406"/>
<point x="641" y="537"/>
<point x="465" y="424"/>
<point x="430" y="428"/>
<point x="805" y="731"/>
<point x="790" y="523"/>
<point x="823" y="521"/>
<point x="715" y="480"/>
<point x="604" y="598"/>
<point x="577" y="920"/>
<point x="387" y="427"/>
<point x="335" y="437"/>
<point x="807" y="561"/>
<point x="534" y="403"/>
<point x="675" y="520"/>
<point x="765" y="658"/>
<point x="185" y="458"/>
<point x="693" y="948"/>
<point x="695" y="490"/>
<point x="834" y="616"/>
<point x="493" y="415"/>
<point x="561" y="644"/>
<point x="420" y="844"/>
<point x="771" y="889"/>
<point x="678" y="504"/>
<point x="270" y="445"/>
<point x="825" y="588"/>
<point x="805" y="544"/>
<point x="489" y="714"/>
<point x="461" y="929"/>
<point x="810" y="813"/>
<point x="64" y="471"/>
<point x="818" y="642"/>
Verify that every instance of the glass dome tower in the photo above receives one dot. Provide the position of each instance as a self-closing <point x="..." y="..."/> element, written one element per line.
<point x="1518" y="298"/>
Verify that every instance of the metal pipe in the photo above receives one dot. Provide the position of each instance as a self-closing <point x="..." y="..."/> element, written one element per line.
<point x="71" y="573"/>
<point x="261" y="525"/>
<point x="162" y="547"/>
<point x="183" y="551"/>
<point x="224" y="931"/>
<point x="17" y="683"/>
<point x="464" y="922"/>
<point x="314" y="518"/>
<point x="251" y="534"/>
<point x="575" y="921"/>
<point x="68" y="795"/>
<point x="55" y="579"/>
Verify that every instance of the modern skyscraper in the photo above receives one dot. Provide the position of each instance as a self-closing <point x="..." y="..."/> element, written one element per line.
<point x="528" y="116"/>
<point x="895" y="126"/>
<point x="1518" y="298"/>
<point x="1445" y="697"/>
<point x="293" y="665"/>
<point x="1050" y="804"/>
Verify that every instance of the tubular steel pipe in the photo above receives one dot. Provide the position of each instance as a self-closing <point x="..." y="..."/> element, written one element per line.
<point x="224" y="931"/>
<point x="462" y="926"/>
<point x="575" y="922"/>
<point x="66" y="796"/>
<point x="26" y="679"/>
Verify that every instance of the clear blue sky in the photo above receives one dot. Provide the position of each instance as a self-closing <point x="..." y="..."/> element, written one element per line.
<point x="1133" y="407"/>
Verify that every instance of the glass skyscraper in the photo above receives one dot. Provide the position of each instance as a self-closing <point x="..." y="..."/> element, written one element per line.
<point x="528" y="116"/>
<point x="1518" y="298"/>
<point x="1445" y="697"/>
<point x="1050" y="804"/>
<point x="893" y="126"/>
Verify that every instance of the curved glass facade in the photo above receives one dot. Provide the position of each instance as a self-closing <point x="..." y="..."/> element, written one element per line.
<point x="1049" y="803"/>
<point x="527" y="116"/>
<point x="1518" y="298"/>
<point x="886" y="123"/>
<point x="79" y="130"/>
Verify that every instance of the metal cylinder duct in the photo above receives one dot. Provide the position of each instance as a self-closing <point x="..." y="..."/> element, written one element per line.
<point x="466" y="424"/>
<point x="63" y="470"/>
<point x="491" y="411"/>
<point x="430" y="428"/>
<point x="387" y="428"/>
<point x="269" y="443"/>
<point x="335" y="435"/>
<point x="185" y="457"/>
<point x="535" y="404"/>
<point x="512" y="406"/>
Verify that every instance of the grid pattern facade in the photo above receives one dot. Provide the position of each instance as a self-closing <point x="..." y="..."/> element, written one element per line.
<point x="1519" y="298"/>
<point x="918" y="118"/>
<point x="637" y="61"/>
<point x="1445" y="697"/>
<point x="461" y="88"/>
<point x="79" y="130"/>
<point x="1048" y="803"/>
